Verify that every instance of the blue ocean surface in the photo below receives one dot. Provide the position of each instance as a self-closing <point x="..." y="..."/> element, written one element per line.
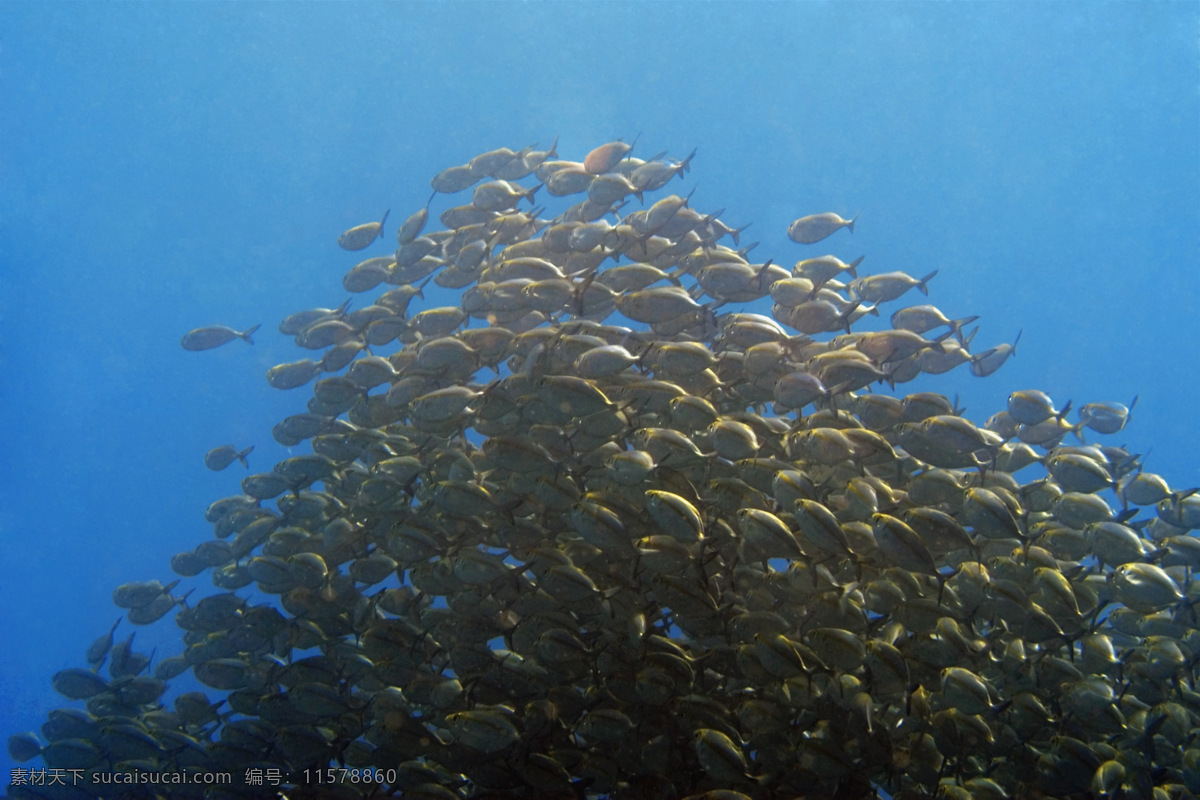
<point x="167" y="166"/>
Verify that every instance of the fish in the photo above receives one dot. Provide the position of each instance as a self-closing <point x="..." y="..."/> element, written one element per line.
<point x="500" y="195"/>
<point x="24" y="747"/>
<point x="98" y="650"/>
<point x="294" y="374"/>
<point x="1032" y="406"/>
<point x="215" y="336"/>
<point x="455" y="179"/>
<point x="1106" y="417"/>
<point x="924" y="318"/>
<point x="140" y="593"/>
<point x="495" y="160"/>
<point x="526" y="162"/>
<point x="221" y="457"/>
<point x="294" y="323"/>
<point x="411" y="228"/>
<point x="655" y="174"/>
<point x="604" y="190"/>
<point x="603" y="158"/>
<point x="571" y="179"/>
<point x="656" y="305"/>
<point x="888" y="286"/>
<point x="825" y="268"/>
<point x="987" y="362"/>
<point x="361" y="236"/>
<point x="815" y="227"/>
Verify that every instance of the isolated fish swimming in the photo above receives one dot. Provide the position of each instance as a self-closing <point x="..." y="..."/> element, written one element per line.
<point x="215" y="336"/>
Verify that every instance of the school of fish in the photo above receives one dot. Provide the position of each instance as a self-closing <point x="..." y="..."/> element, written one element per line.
<point x="596" y="531"/>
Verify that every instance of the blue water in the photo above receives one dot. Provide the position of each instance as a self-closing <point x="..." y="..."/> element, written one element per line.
<point x="167" y="166"/>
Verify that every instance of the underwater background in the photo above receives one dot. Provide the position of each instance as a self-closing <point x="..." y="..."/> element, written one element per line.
<point x="169" y="166"/>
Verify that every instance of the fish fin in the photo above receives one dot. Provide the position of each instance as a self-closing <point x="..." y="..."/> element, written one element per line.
<point x="582" y="288"/>
<point x="837" y="389"/>
<point x="736" y="233"/>
<point x="852" y="267"/>
<point x="761" y="272"/>
<point x="844" y="317"/>
<point x="938" y="342"/>
<point x="922" y="284"/>
<point x="956" y="326"/>
<point x="246" y="334"/>
<point x="1126" y="515"/>
<point x="242" y="456"/>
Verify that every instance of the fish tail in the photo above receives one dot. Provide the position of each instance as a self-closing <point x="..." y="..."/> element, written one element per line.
<point x="246" y="334"/>
<point x="1077" y="429"/>
<point x="938" y="342"/>
<point x="956" y="326"/>
<point x="922" y="284"/>
<point x="843" y="319"/>
<point x="242" y="456"/>
<point x="852" y="267"/>
<point x="736" y="233"/>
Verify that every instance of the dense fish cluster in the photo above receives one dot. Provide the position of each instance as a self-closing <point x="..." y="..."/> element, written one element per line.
<point x="592" y="531"/>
